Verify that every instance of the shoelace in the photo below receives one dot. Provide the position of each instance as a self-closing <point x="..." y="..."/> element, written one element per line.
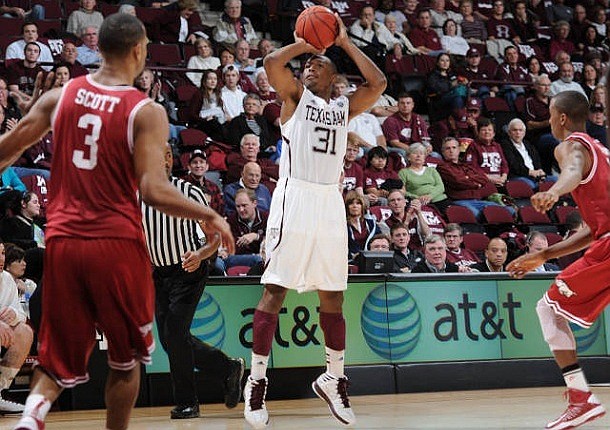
<point x="342" y="390"/>
<point x="257" y="396"/>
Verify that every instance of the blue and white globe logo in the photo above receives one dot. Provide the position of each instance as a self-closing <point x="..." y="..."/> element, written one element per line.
<point x="391" y="322"/>
<point x="208" y="322"/>
<point x="585" y="337"/>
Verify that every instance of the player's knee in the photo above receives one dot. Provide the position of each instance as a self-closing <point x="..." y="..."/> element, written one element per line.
<point x="555" y="329"/>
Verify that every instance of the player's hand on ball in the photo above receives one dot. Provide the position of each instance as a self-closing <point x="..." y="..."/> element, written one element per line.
<point x="310" y="48"/>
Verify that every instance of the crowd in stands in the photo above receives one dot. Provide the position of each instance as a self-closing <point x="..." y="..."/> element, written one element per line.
<point x="464" y="123"/>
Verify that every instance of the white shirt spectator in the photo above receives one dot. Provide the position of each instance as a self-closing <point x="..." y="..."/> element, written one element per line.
<point x="455" y="45"/>
<point x="233" y="101"/>
<point x="9" y="297"/>
<point x="367" y="127"/>
<point x="558" y="86"/>
<point x="198" y="62"/>
<point x="380" y="30"/>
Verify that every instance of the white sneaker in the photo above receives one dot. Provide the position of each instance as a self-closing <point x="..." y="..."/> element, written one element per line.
<point x="255" y="411"/>
<point x="29" y="423"/>
<point x="334" y="392"/>
<point x="8" y="407"/>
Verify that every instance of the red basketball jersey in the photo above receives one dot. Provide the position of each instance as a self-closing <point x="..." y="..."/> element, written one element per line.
<point x="593" y="194"/>
<point x="93" y="194"/>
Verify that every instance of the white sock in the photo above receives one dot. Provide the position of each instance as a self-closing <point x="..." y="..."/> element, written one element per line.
<point x="259" y="366"/>
<point x="37" y="406"/>
<point x="7" y="374"/>
<point x="576" y="379"/>
<point x="335" y="362"/>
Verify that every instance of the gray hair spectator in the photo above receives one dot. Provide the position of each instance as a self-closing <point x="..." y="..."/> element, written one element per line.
<point x="232" y="26"/>
<point x="435" y="257"/>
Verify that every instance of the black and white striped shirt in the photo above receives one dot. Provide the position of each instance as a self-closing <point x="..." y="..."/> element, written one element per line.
<point x="168" y="237"/>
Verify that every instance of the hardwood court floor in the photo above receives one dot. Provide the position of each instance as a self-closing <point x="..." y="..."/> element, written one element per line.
<point x="493" y="409"/>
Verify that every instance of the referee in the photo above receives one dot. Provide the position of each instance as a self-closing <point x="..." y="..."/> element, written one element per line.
<point x="179" y="255"/>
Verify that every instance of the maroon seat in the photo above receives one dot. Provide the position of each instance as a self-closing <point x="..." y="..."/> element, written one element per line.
<point x="238" y="270"/>
<point x="165" y="54"/>
<point x="529" y="215"/>
<point x="476" y="242"/>
<point x="553" y="238"/>
<point x="519" y="190"/>
<point x="459" y="215"/>
<point x="497" y="215"/>
<point x="496" y="104"/>
<point x="192" y="137"/>
<point x="562" y="212"/>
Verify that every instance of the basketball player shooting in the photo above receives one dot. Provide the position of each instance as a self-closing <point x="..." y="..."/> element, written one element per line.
<point x="306" y="238"/>
<point x="580" y="292"/>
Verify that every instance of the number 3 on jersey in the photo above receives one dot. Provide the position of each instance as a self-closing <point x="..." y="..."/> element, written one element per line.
<point x="78" y="157"/>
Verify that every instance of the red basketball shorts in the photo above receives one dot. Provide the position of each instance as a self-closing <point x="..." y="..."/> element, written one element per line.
<point x="88" y="284"/>
<point x="582" y="290"/>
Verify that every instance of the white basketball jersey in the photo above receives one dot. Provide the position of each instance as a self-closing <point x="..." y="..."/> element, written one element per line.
<point x="315" y="140"/>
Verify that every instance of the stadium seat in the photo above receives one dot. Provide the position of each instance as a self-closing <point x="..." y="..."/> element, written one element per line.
<point x="108" y="9"/>
<point x="497" y="215"/>
<point x="553" y="238"/>
<point x="164" y="54"/>
<point x="459" y="215"/>
<point x="185" y="93"/>
<point x="476" y="242"/>
<point x="10" y="26"/>
<point x="529" y="215"/>
<point x="545" y="185"/>
<point x="191" y="137"/>
<point x="562" y="212"/>
<point x="518" y="190"/>
<point x="238" y="271"/>
<point x="49" y="25"/>
<point x="495" y="104"/>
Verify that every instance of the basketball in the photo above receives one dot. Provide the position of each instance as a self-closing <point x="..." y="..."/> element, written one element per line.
<point x="318" y="26"/>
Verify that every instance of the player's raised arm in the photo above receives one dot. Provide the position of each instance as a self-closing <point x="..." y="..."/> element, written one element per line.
<point x="375" y="81"/>
<point x="29" y="130"/>
<point x="281" y="77"/>
<point x="150" y="127"/>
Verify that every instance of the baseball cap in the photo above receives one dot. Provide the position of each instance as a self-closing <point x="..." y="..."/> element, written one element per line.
<point x="473" y="52"/>
<point x="198" y="153"/>
<point x="473" y="104"/>
<point x="596" y="107"/>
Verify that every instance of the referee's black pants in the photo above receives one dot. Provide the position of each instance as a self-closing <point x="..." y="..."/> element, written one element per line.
<point x="177" y="295"/>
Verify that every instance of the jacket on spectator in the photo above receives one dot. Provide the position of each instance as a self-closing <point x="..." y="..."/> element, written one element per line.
<point x="263" y="196"/>
<point x="166" y="28"/>
<point x="238" y="127"/>
<point x="224" y="32"/>
<point x="370" y="229"/>
<point x="463" y="181"/>
<point x="240" y="227"/>
<point x="516" y="165"/>
<point x="422" y="267"/>
<point x="412" y="259"/>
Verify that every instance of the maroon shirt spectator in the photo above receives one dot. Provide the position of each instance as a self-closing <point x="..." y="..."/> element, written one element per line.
<point x="473" y="71"/>
<point x="424" y="37"/>
<point x="404" y="127"/>
<point x="22" y="73"/>
<point x="560" y="41"/>
<point x="511" y="70"/>
<point x="38" y="156"/>
<point x="353" y="175"/>
<point x="487" y="154"/>
<point x="241" y="227"/>
<point x="498" y="27"/>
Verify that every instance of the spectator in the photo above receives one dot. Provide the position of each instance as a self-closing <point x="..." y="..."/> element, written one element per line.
<point x="537" y="117"/>
<point x="473" y="28"/>
<point x="387" y="8"/>
<point x="242" y="58"/>
<point x="339" y="86"/>
<point x="422" y="182"/>
<point x="376" y="174"/>
<point x="227" y="58"/>
<point x="463" y="123"/>
<point x="206" y="109"/>
<point x="264" y="90"/>
<point x="265" y="47"/>
<point x="596" y="123"/>
<point x="249" y="150"/>
<point x="523" y="159"/>
<point x="271" y="112"/>
<point x="62" y="75"/>
<point x="203" y="60"/>
<point x="250" y="179"/>
<point x="68" y="56"/>
<point x="410" y="12"/>
<point x="445" y="92"/>
<point x="578" y="25"/>
<point x="360" y="227"/>
<point x="353" y="175"/>
<point x="402" y="44"/>
<point x="532" y="64"/>
<point x="560" y="41"/>
<point x="198" y="166"/>
<point x="473" y="72"/>
<point x="412" y="217"/>
<point x="367" y="131"/>
<point x="22" y="74"/>
<point x="536" y="241"/>
<point x="180" y="23"/>
<point x="232" y="26"/>
<point x="500" y="28"/>
<point x="523" y="23"/>
<point x="250" y="121"/>
<point x="15" y="264"/>
<point x="36" y="160"/>
<point x="248" y="225"/>
<point x="88" y="52"/>
<point x="405" y="126"/>
<point x="16" y="50"/>
<point x="456" y="254"/>
<point x="21" y="229"/>
<point x="560" y="12"/>
<point x="435" y="258"/>
<point x="439" y="16"/>
<point x="85" y="16"/>
<point x="232" y="94"/>
<point x="129" y="9"/>
<point x="380" y="243"/>
<point x="486" y="154"/>
<point x="450" y="40"/>
<point x="464" y="183"/>
<point x="424" y="38"/>
<point x="405" y="259"/>
<point x="589" y="80"/>
<point x="371" y="31"/>
<point x="496" y="254"/>
<point x="513" y="72"/>
<point x="16" y="334"/>
<point x="566" y="81"/>
<point x="7" y="104"/>
<point x="13" y="9"/>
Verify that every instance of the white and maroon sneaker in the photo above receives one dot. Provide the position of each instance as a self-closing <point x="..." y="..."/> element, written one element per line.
<point x="583" y="407"/>
<point x="29" y="423"/>
<point x="334" y="392"/>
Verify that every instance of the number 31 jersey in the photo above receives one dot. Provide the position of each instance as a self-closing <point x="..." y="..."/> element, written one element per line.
<point x="314" y="140"/>
<point x="93" y="190"/>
